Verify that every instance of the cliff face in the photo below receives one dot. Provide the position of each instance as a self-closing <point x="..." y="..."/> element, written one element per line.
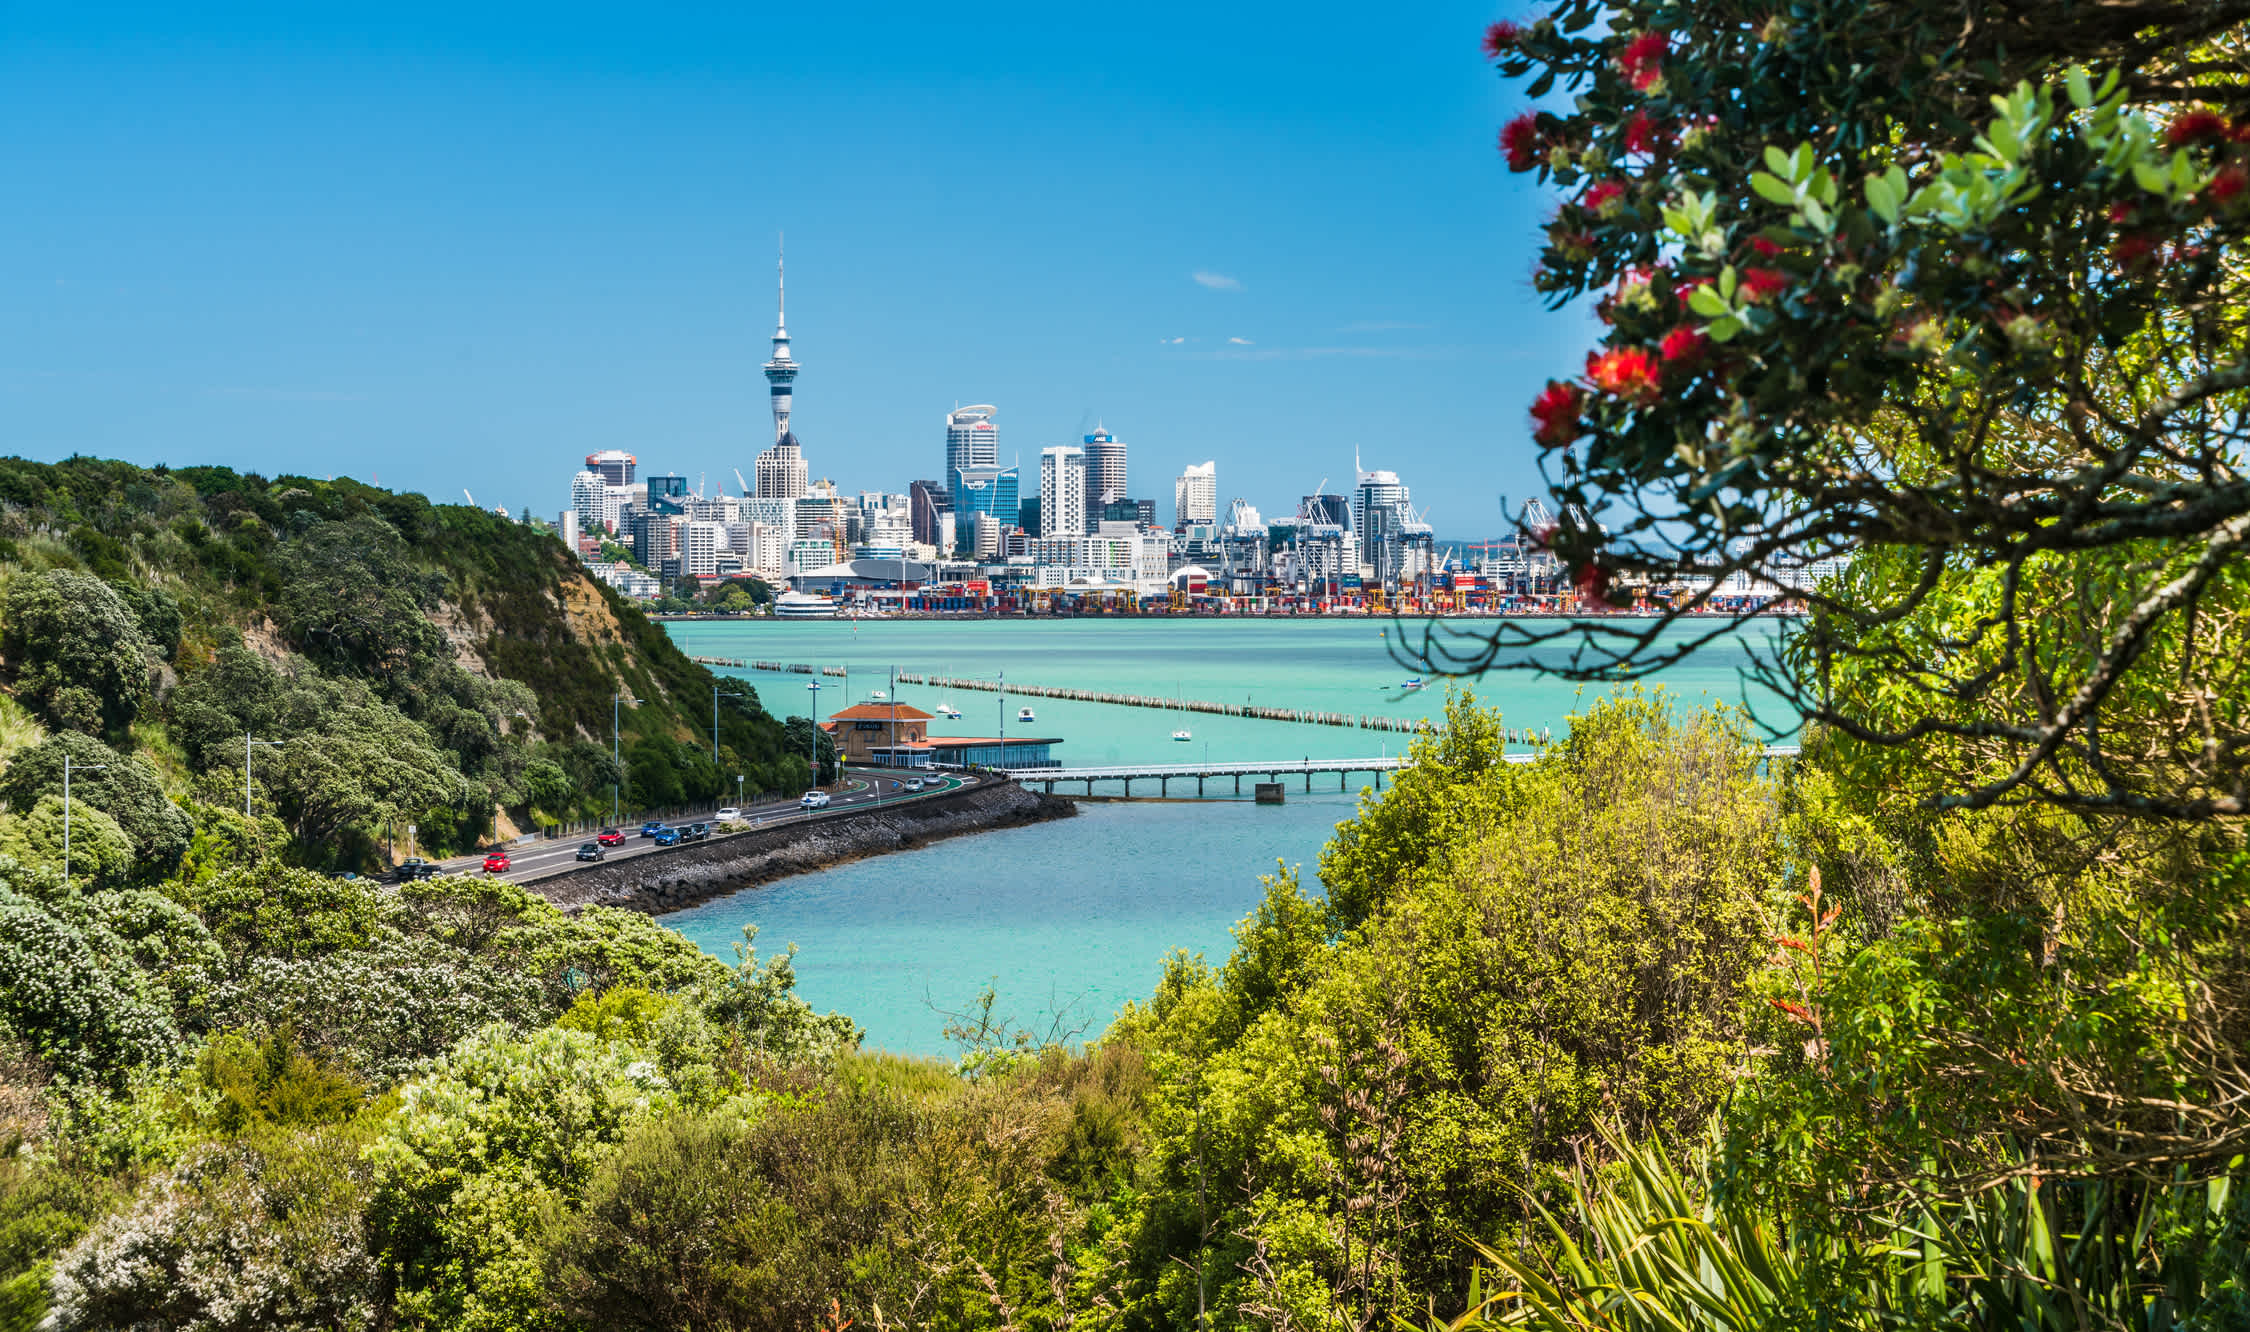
<point x="671" y="880"/>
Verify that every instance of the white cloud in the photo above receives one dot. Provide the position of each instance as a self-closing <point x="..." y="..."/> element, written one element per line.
<point x="1240" y="342"/>
<point x="1217" y="281"/>
<point x="1170" y="342"/>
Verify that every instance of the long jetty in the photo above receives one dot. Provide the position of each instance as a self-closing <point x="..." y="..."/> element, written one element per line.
<point x="1305" y="716"/>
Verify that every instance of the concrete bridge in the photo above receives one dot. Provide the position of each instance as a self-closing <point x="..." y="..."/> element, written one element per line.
<point x="1272" y="770"/>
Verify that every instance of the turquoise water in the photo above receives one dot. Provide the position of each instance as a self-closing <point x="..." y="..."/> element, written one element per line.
<point x="1069" y="920"/>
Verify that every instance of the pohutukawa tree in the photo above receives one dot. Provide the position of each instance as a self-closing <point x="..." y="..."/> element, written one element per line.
<point x="1955" y="289"/>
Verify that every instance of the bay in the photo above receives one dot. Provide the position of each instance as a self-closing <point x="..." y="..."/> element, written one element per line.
<point x="1069" y="920"/>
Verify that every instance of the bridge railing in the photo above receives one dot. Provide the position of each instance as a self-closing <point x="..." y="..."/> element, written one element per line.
<point x="1272" y="767"/>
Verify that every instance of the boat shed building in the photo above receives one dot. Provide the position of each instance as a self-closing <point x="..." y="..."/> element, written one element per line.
<point x="870" y="575"/>
<point x="897" y="735"/>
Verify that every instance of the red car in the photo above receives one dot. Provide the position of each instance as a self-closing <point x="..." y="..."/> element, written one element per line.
<point x="610" y="837"/>
<point x="496" y="862"/>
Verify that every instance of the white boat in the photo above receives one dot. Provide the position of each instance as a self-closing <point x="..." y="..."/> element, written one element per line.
<point x="1415" y="683"/>
<point x="1025" y="714"/>
<point x="1183" y="734"/>
<point x="949" y="712"/>
<point x="878" y="695"/>
<point x="804" y="606"/>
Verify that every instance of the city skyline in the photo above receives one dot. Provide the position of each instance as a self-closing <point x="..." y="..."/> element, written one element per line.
<point x="473" y="251"/>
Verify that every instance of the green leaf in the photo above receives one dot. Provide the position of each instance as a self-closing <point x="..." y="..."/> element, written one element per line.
<point x="1726" y="282"/>
<point x="2152" y="178"/>
<point x="1801" y="163"/>
<point x="2081" y="88"/>
<point x="1723" y="330"/>
<point x="1771" y="189"/>
<point x="1708" y="303"/>
<point x="1777" y="161"/>
<point x="1883" y="198"/>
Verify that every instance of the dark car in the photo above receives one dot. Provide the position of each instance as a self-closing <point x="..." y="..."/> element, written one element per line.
<point x="592" y="851"/>
<point x="696" y="832"/>
<point x="667" y="837"/>
<point x="610" y="837"/>
<point x="651" y="828"/>
<point x="414" y="867"/>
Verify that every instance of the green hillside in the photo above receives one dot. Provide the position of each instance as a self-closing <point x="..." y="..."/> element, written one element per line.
<point x="433" y="664"/>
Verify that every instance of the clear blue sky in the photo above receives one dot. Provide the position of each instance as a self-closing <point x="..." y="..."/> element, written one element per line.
<point x="463" y="245"/>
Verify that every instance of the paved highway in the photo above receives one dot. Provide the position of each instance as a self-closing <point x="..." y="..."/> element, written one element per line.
<point x="859" y="788"/>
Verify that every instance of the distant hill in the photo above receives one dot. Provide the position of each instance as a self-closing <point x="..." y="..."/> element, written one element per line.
<point x="433" y="651"/>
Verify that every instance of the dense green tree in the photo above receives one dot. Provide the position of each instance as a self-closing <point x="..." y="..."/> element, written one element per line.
<point x="73" y="650"/>
<point x="353" y="601"/>
<point x="99" y="852"/>
<point x="122" y="786"/>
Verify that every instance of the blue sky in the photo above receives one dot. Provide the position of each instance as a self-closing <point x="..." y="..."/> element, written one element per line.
<point x="461" y="246"/>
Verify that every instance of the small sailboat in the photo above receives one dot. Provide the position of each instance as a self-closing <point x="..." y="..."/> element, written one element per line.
<point x="949" y="712"/>
<point x="1183" y="733"/>
<point x="877" y="695"/>
<point x="1415" y="683"/>
<point x="1024" y="714"/>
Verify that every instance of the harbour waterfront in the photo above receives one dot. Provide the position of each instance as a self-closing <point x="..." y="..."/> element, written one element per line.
<point x="1079" y="915"/>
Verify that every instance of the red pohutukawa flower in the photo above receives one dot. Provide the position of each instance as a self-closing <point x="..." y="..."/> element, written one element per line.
<point x="1556" y="410"/>
<point x="2197" y="125"/>
<point x="1760" y="285"/>
<point x="2239" y="131"/>
<point x="1628" y="373"/>
<point x="1602" y="197"/>
<point x="1685" y="288"/>
<point x="1519" y="139"/>
<point x="2121" y="213"/>
<point x="1593" y="585"/>
<point x="1644" y="135"/>
<point x="2133" y="253"/>
<point x="1765" y="248"/>
<point x="1501" y="38"/>
<point x="2227" y="186"/>
<point x="1642" y="61"/>
<point x="1683" y="346"/>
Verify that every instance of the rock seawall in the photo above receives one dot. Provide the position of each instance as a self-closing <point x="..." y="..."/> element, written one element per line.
<point x="671" y="880"/>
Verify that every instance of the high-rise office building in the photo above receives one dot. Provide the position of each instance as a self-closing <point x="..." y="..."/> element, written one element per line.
<point x="589" y="500"/>
<point x="781" y="470"/>
<point x="925" y="501"/>
<point x="988" y="490"/>
<point x="1062" y="491"/>
<point x="1105" y="468"/>
<point x="971" y="438"/>
<point x="699" y="551"/>
<point x="1195" y="496"/>
<point x="1139" y="512"/>
<point x="1326" y="509"/>
<point x="614" y="468"/>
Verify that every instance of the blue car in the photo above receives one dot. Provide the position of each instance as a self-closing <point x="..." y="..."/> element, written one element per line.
<point x="667" y="837"/>
<point x="651" y="828"/>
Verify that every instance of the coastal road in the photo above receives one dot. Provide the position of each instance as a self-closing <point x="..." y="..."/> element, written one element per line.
<point x="858" y="789"/>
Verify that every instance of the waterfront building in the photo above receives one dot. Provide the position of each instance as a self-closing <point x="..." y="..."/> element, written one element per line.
<point x="589" y="499"/>
<point x="613" y="467"/>
<point x="809" y="554"/>
<point x="925" y="501"/>
<point x="987" y="490"/>
<point x="1062" y="491"/>
<point x="971" y="438"/>
<point x="1195" y="496"/>
<point x="880" y="733"/>
<point x="1394" y="545"/>
<point x="1105" y="469"/>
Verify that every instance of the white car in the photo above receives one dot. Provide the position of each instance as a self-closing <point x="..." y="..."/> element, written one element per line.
<point x="728" y="814"/>
<point x="913" y="783"/>
<point x="815" y="800"/>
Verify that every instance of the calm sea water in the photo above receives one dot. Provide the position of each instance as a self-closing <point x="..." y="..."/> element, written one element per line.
<point x="1072" y="919"/>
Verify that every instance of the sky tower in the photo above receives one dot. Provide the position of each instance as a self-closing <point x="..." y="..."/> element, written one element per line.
<point x="781" y="371"/>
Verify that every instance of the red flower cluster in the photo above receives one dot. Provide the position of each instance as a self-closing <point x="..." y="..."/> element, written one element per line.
<point x="1519" y="139"/>
<point x="1760" y="285"/>
<point x="1501" y="38"/>
<point x="1602" y="197"/>
<point x="1593" y="586"/>
<point x="2196" y="125"/>
<point x="1642" y="60"/>
<point x="2227" y="185"/>
<point x="2133" y="253"/>
<point x="1556" y="410"/>
<point x="1683" y="345"/>
<point x="1685" y="288"/>
<point x="1628" y="373"/>
<point x="1644" y="135"/>
<point x="1766" y="249"/>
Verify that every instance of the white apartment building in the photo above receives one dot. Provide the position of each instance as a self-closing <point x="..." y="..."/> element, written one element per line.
<point x="1195" y="496"/>
<point x="1062" y="491"/>
<point x="700" y="545"/>
<point x="987" y="536"/>
<point x="588" y="501"/>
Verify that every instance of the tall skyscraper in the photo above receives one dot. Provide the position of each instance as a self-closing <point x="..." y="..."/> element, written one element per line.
<point x="926" y="501"/>
<point x="781" y="470"/>
<point x="986" y="490"/>
<point x="1195" y="496"/>
<point x="1105" y="469"/>
<point x="588" y="499"/>
<point x="971" y="439"/>
<point x="781" y="371"/>
<point x="1062" y="491"/>
<point x="614" y="468"/>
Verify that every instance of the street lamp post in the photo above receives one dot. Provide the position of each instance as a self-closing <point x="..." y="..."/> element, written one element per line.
<point x="616" y="754"/>
<point x="66" y="768"/>
<point x="815" y="688"/>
